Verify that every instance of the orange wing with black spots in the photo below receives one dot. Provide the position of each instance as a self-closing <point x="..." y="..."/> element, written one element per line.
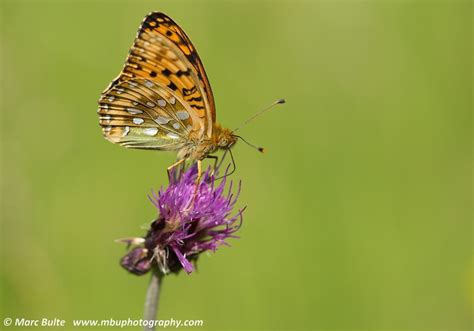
<point x="166" y="26"/>
<point x="162" y="55"/>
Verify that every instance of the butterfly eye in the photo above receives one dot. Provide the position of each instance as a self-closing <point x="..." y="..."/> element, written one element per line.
<point x="223" y="142"/>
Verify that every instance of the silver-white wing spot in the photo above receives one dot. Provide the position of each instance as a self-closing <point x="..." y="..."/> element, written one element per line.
<point x="126" y="131"/>
<point x="150" y="131"/>
<point x="148" y="84"/>
<point x="134" y="111"/>
<point x="161" y="103"/>
<point x="138" y="120"/>
<point x="162" y="120"/>
<point x="182" y="115"/>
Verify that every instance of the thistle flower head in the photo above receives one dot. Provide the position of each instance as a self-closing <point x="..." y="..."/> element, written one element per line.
<point x="193" y="218"/>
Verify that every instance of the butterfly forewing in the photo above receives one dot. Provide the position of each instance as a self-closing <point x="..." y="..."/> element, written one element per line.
<point x="139" y="113"/>
<point x="162" y="97"/>
<point x="159" y="23"/>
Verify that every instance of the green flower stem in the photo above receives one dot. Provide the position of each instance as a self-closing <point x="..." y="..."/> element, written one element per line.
<point x="152" y="296"/>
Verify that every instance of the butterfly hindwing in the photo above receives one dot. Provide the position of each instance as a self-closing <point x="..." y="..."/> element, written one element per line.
<point x="139" y="113"/>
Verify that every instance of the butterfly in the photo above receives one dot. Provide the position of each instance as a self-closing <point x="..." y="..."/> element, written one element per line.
<point x="162" y="99"/>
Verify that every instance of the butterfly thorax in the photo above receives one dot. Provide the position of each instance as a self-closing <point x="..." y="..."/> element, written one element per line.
<point x="221" y="138"/>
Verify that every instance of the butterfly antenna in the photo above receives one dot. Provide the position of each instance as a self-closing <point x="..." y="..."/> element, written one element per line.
<point x="260" y="149"/>
<point x="278" y="102"/>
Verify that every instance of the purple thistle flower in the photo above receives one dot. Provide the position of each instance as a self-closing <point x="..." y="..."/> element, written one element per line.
<point x="193" y="218"/>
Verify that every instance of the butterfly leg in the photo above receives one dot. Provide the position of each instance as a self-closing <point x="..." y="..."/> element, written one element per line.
<point x="199" y="175"/>
<point x="216" y="159"/>
<point x="171" y="167"/>
<point x="199" y="164"/>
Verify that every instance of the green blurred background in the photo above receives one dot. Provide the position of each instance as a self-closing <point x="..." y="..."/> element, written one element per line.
<point x="359" y="216"/>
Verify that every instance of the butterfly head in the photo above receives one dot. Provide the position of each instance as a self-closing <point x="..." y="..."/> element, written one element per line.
<point x="223" y="138"/>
